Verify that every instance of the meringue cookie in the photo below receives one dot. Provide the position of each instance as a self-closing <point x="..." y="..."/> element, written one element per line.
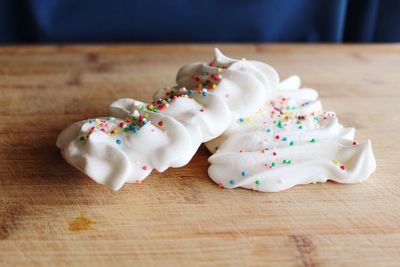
<point x="304" y="101"/>
<point x="206" y="101"/>
<point x="290" y="141"/>
<point x="243" y="84"/>
<point x="114" y="151"/>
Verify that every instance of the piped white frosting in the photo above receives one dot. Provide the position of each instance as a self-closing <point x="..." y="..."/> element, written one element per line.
<point x="289" y="141"/>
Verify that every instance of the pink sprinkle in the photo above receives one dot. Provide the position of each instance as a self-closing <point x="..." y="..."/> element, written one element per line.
<point x="202" y="110"/>
<point x="144" y="168"/>
<point x="274" y="153"/>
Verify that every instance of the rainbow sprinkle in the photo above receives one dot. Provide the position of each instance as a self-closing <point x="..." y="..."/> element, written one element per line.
<point x="203" y="84"/>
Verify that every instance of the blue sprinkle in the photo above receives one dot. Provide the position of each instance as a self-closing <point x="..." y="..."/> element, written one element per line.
<point x="205" y="94"/>
<point x="300" y="127"/>
<point x="241" y="120"/>
<point x="268" y="130"/>
<point x="190" y="91"/>
<point x="244" y="173"/>
<point x="232" y="182"/>
<point x="284" y="138"/>
<point x="118" y="141"/>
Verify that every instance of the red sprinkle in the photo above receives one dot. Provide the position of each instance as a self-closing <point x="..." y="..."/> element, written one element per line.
<point x="354" y="143"/>
<point x="160" y="123"/>
<point x="343" y="168"/>
<point x="202" y="110"/>
<point x="274" y="153"/>
<point x="121" y="124"/>
<point x="277" y="137"/>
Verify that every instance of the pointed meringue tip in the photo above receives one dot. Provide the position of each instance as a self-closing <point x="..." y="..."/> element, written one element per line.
<point x="218" y="54"/>
<point x="220" y="57"/>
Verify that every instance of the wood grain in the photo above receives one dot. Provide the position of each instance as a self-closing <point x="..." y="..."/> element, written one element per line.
<point x="180" y="217"/>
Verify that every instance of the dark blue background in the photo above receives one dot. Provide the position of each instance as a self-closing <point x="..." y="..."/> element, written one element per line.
<point x="65" y="21"/>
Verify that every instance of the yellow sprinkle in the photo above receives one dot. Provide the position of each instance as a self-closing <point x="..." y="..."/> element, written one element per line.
<point x="335" y="162"/>
<point x="200" y="85"/>
<point x="151" y="106"/>
<point x="249" y="119"/>
<point x="116" y="131"/>
<point x="214" y="86"/>
<point x="219" y="69"/>
<point x="146" y="115"/>
<point x="97" y="121"/>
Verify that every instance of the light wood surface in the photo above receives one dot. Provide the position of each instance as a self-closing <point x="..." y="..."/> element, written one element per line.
<point x="51" y="214"/>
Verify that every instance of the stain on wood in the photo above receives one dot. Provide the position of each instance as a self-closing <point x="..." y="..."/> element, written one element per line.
<point x="80" y="223"/>
<point x="305" y="249"/>
<point x="9" y="219"/>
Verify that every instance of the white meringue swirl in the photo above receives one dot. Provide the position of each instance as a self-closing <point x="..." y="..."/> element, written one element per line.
<point x="290" y="141"/>
<point x="167" y="132"/>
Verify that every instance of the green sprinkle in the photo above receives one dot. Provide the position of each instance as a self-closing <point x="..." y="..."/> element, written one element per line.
<point x="82" y="138"/>
<point x="258" y="182"/>
<point x="291" y="143"/>
<point x="232" y="182"/>
<point x="286" y="161"/>
<point x="313" y="140"/>
<point x="109" y="118"/>
<point x="273" y="164"/>
<point x="126" y="129"/>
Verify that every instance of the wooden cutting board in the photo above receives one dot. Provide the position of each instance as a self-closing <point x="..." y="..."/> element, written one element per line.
<point x="51" y="214"/>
